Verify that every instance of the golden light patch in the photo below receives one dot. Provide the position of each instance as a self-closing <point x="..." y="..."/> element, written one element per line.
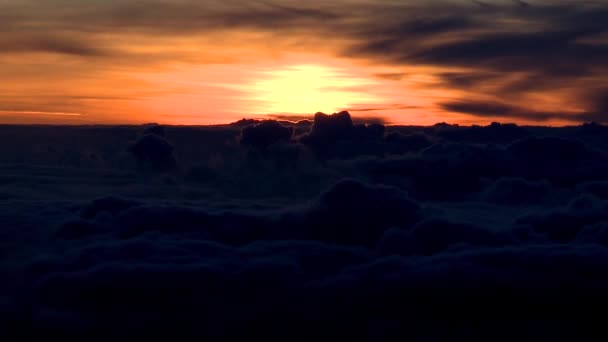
<point x="309" y="89"/>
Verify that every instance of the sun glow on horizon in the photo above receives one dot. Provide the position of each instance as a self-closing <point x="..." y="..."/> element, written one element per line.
<point x="309" y="88"/>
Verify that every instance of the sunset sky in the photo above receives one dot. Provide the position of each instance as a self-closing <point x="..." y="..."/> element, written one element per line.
<point x="210" y="62"/>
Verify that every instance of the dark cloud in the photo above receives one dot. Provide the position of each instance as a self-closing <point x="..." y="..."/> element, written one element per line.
<point x="516" y="191"/>
<point x="453" y="168"/>
<point x="597" y="233"/>
<point x="265" y="134"/>
<point x="442" y="171"/>
<point x="326" y="128"/>
<point x="469" y="79"/>
<point x="80" y="229"/>
<point x="348" y="213"/>
<point x="600" y="103"/>
<point x="337" y="135"/>
<point x="557" y="41"/>
<point x="65" y="28"/>
<point x="202" y="224"/>
<point x="522" y="3"/>
<point x="433" y="236"/>
<point x="154" y="150"/>
<point x="493" y="133"/>
<point x="177" y="17"/>
<point x="111" y="204"/>
<point x="244" y="122"/>
<point x="546" y="47"/>
<point x="598" y="189"/>
<point x="416" y="27"/>
<point x="379" y="108"/>
<point x="14" y="42"/>
<point x="211" y="291"/>
<point x="354" y="213"/>
<point x="553" y="150"/>
<point x="399" y="143"/>
<point x="546" y="52"/>
<point x="154" y="129"/>
<point x="597" y="103"/>
<point x="592" y="129"/>
<point x="497" y="110"/>
<point x="564" y="224"/>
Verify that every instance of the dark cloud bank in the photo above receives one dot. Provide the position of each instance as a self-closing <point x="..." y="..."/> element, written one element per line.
<point x="323" y="229"/>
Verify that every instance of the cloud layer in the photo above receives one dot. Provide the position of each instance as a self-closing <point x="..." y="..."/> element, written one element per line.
<point x="328" y="229"/>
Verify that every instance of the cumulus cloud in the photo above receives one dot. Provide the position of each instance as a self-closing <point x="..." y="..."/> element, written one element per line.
<point x="336" y="135"/>
<point x="265" y="134"/>
<point x="351" y="212"/>
<point x="328" y="128"/>
<point x="155" y="150"/>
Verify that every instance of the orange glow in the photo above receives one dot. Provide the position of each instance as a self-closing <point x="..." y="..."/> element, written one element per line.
<point x="288" y="85"/>
<point x="213" y="62"/>
<point x="211" y="89"/>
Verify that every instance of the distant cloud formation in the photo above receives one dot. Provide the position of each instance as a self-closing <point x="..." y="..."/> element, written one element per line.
<point x="540" y="55"/>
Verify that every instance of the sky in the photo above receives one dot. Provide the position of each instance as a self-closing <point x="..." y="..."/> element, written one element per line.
<point x="396" y="61"/>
